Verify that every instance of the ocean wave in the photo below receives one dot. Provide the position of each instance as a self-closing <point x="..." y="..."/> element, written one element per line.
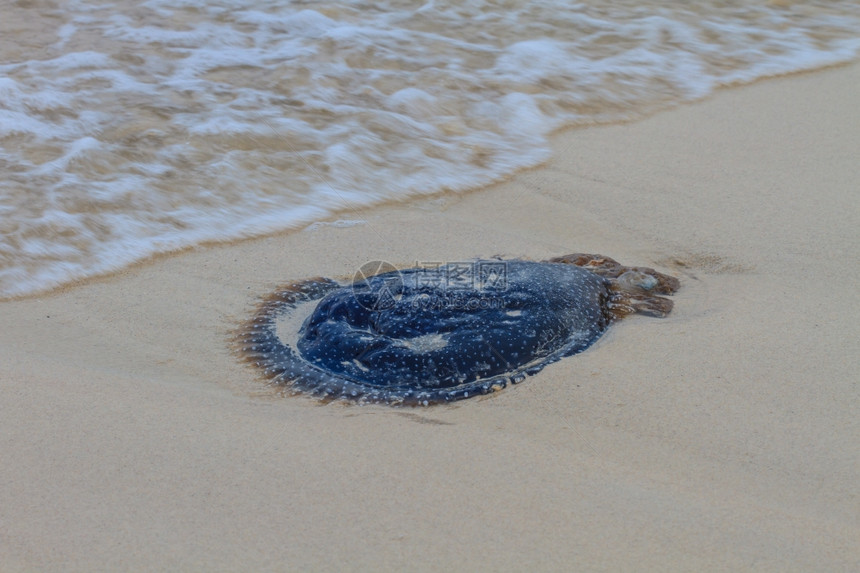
<point x="133" y="129"/>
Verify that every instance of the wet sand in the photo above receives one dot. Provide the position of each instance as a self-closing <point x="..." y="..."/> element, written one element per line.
<point x="723" y="437"/>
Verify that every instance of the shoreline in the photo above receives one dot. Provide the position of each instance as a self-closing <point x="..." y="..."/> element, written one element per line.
<point x="721" y="437"/>
<point x="339" y="216"/>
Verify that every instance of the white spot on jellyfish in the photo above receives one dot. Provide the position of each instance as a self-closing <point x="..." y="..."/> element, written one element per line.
<point x="425" y="343"/>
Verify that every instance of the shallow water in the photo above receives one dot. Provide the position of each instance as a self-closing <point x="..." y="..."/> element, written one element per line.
<point x="128" y="128"/>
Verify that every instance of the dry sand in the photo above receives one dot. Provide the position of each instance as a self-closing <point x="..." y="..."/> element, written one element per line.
<point x="724" y="437"/>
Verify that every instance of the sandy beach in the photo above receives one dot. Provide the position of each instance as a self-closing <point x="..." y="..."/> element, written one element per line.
<point x="724" y="437"/>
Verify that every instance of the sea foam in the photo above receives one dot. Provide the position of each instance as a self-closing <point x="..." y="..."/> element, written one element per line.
<point x="137" y="128"/>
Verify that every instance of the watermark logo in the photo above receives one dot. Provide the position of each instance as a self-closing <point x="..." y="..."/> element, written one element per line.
<point x="381" y="293"/>
<point x="462" y="276"/>
<point x="468" y="286"/>
<point x="492" y="275"/>
<point x="453" y="301"/>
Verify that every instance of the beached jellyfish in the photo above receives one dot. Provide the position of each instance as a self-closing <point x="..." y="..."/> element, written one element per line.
<point x="423" y="336"/>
